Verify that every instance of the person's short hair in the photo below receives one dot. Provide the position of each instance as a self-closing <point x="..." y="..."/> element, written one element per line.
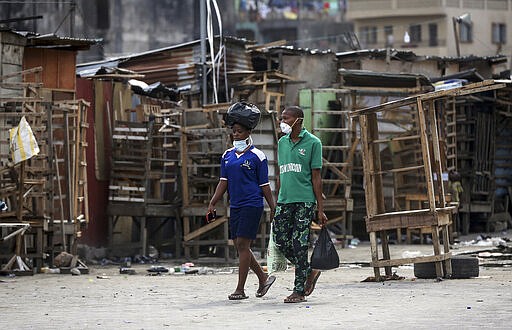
<point x="297" y="111"/>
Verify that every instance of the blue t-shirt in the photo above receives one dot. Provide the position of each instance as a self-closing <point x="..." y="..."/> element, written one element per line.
<point x="246" y="173"/>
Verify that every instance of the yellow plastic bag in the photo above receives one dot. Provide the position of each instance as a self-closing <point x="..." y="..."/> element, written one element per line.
<point x="23" y="143"/>
<point x="276" y="261"/>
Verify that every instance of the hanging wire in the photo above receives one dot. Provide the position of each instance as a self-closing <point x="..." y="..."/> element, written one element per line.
<point x="219" y="55"/>
<point x="209" y="32"/>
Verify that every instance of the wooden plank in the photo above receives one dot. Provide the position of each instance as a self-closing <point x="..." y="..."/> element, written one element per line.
<point x="22" y="73"/>
<point x="406" y="261"/>
<point x="464" y="90"/>
<point x="375" y="253"/>
<point x="422" y="125"/>
<point x="129" y="137"/>
<point x="367" y="167"/>
<point x="375" y="159"/>
<point x="126" y="199"/>
<point x="438" y="168"/>
<point x="398" y="138"/>
<point x="131" y="129"/>
<point x="437" y="251"/>
<point x="399" y="170"/>
<point x="407" y="219"/>
<point x="204" y="229"/>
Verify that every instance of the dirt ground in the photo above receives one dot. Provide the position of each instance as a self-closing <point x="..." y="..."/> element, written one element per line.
<point x="106" y="299"/>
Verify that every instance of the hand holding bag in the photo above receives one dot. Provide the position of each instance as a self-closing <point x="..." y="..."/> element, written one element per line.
<point x="324" y="255"/>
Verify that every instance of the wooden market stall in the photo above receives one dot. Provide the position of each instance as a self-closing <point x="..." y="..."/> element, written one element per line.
<point x="436" y="214"/>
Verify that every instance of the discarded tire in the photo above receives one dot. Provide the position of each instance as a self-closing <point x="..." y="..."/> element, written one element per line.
<point x="462" y="267"/>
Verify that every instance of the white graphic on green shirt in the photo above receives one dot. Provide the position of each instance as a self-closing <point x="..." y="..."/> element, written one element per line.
<point x="290" y="167"/>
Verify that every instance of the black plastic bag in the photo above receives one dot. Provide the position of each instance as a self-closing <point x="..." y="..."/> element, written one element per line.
<point x="243" y="113"/>
<point x="324" y="255"/>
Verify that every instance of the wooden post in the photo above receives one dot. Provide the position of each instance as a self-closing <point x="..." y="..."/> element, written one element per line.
<point x="62" y="228"/>
<point x="184" y="186"/>
<point x="437" y="250"/>
<point x="19" y="210"/>
<point x="446" y="249"/>
<point x="67" y="163"/>
<point x="426" y="154"/>
<point x="437" y="154"/>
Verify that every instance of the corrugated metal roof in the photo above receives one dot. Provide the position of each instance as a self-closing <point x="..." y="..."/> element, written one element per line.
<point x="180" y="65"/>
<point x="54" y="41"/>
<point x="364" y="78"/>
<point x="292" y="50"/>
<point x="411" y="56"/>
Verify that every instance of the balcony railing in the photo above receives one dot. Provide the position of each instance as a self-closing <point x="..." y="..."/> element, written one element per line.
<point x="374" y="5"/>
<point x="291" y="10"/>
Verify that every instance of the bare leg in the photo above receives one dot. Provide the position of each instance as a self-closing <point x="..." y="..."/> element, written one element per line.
<point x="246" y="261"/>
<point x="256" y="268"/>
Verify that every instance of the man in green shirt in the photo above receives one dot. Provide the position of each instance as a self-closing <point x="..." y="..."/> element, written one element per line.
<point x="299" y="188"/>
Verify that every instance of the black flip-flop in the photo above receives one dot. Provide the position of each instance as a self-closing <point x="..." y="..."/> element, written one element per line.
<point x="294" y="300"/>
<point x="270" y="280"/>
<point x="237" y="296"/>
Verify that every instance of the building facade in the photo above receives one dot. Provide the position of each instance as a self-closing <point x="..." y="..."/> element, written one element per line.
<point x="434" y="27"/>
<point x="126" y="26"/>
<point x="310" y="24"/>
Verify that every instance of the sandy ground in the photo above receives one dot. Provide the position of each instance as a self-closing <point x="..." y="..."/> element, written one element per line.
<point x="105" y="299"/>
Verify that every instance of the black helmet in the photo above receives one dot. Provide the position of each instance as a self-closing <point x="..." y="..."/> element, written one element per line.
<point x="243" y="113"/>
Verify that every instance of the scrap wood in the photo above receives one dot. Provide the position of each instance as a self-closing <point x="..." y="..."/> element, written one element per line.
<point x="393" y="277"/>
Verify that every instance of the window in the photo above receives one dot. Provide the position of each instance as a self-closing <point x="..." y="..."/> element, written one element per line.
<point x="415" y="33"/>
<point x="432" y="35"/>
<point x="388" y="33"/>
<point x="373" y="35"/>
<point x="465" y="32"/>
<point x="499" y="33"/>
<point x="368" y="35"/>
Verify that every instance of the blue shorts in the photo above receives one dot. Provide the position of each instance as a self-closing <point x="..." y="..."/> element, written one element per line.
<point x="244" y="222"/>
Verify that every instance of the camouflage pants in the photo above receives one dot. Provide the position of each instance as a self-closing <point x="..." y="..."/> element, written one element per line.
<point x="291" y="233"/>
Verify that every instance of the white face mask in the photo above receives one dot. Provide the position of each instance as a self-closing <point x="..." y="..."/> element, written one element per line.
<point x="285" y="128"/>
<point x="241" y="145"/>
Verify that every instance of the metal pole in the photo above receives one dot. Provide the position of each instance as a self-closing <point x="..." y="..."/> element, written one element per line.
<point x="456" y="34"/>
<point x="72" y="19"/>
<point x="202" y="18"/>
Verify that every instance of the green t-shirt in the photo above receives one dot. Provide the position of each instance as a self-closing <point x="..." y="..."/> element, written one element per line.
<point x="296" y="160"/>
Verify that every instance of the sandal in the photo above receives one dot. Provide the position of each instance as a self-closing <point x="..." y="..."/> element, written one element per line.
<point x="312" y="282"/>
<point x="264" y="289"/>
<point x="238" y="296"/>
<point x="294" y="298"/>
